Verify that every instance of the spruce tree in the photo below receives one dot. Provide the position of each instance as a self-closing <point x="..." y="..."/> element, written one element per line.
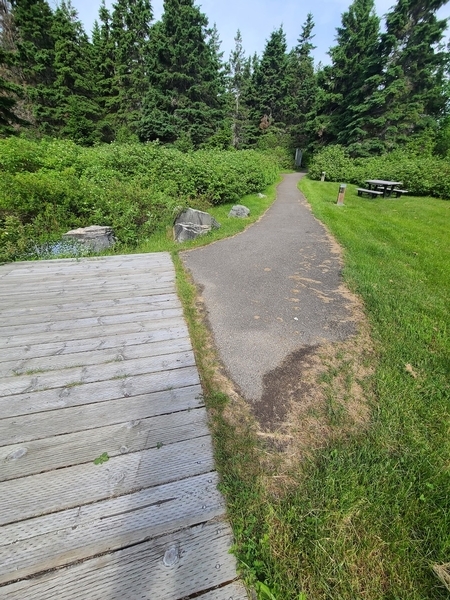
<point x="34" y="57"/>
<point x="103" y="57"/>
<point x="184" y="100"/>
<point x="303" y="88"/>
<point x="76" y="110"/>
<point x="238" y="79"/>
<point x="8" y="89"/>
<point x="271" y="82"/>
<point x="352" y="80"/>
<point x="130" y="34"/>
<point x="9" y="93"/>
<point x="413" y="95"/>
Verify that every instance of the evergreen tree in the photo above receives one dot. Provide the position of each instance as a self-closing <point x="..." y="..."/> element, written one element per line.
<point x="353" y="79"/>
<point x="238" y="80"/>
<point x="303" y="88"/>
<point x="270" y="81"/>
<point x="76" y="112"/>
<point x="103" y="56"/>
<point x="34" y="55"/>
<point x="184" y="99"/>
<point x="130" y="34"/>
<point x="413" y="94"/>
<point x="9" y="92"/>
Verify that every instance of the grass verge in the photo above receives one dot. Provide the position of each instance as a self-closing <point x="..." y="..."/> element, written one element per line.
<point x="162" y="240"/>
<point x="367" y="514"/>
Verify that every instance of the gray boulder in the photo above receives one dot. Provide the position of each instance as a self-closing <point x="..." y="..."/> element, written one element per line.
<point x="191" y="223"/>
<point x="239" y="211"/>
<point x="96" y="237"/>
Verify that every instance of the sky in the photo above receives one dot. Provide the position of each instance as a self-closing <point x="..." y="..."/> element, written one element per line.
<point x="256" y="20"/>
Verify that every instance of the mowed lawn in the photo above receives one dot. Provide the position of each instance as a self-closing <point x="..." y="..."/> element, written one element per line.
<point x="370" y="515"/>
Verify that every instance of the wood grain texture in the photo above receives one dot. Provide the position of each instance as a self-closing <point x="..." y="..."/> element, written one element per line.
<point x="47" y="454"/>
<point x="96" y="360"/>
<point x="233" y="591"/>
<point x="172" y="329"/>
<point x="90" y="393"/>
<point x="170" y="567"/>
<point x="62" y="538"/>
<point x="76" y="376"/>
<point x="95" y="357"/>
<point x="35" y="426"/>
<point x="87" y="308"/>
<point x="81" y="484"/>
<point x="127" y="327"/>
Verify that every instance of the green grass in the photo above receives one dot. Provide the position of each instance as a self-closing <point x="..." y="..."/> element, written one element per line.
<point x="370" y="515"/>
<point x="367" y="515"/>
<point x="162" y="240"/>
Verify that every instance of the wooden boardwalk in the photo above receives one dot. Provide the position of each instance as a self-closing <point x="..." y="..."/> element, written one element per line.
<point x="96" y="361"/>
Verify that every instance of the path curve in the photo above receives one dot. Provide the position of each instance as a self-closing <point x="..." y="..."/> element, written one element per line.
<point x="272" y="294"/>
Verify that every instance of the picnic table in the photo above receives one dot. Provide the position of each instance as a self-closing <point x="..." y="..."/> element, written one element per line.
<point x="385" y="187"/>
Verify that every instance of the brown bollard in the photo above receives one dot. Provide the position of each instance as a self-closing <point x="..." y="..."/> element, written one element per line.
<point x="322" y="178"/>
<point x="340" y="198"/>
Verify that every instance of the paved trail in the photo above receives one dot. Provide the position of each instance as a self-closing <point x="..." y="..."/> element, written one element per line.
<point x="272" y="294"/>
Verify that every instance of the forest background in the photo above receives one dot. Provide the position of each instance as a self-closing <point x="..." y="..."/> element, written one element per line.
<point x="144" y="117"/>
<point x="138" y="80"/>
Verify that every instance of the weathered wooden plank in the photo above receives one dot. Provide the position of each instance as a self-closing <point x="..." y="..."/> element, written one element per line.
<point x="86" y="333"/>
<point x="83" y="272"/>
<point x="54" y="399"/>
<point x="47" y="325"/>
<point x="84" y="265"/>
<point x="35" y="426"/>
<point x="167" y="568"/>
<point x="70" y="297"/>
<point x="52" y="349"/>
<point x="233" y="591"/>
<point x="86" y="279"/>
<point x="52" y="541"/>
<point x="48" y="454"/>
<point x="96" y="357"/>
<point x="137" y="281"/>
<point x="50" y="492"/>
<point x="75" y="376"/>
<point x="67" y="295"/>
<point x="89" y="308"/>
<point x="93" y="262"/>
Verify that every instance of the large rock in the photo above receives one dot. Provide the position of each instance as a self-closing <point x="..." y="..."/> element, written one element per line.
<point x="239" y="211"/>
<point x="96" y="237"/>
<point x="191" y="223"/>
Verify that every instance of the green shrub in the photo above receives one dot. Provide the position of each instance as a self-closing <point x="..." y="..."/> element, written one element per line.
<point x="51" y="186"/>
<point x="421" y="175"/>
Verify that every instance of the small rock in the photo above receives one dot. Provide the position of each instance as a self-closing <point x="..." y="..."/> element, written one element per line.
<point x="261" y="195"/>
<point x="239" y="211"/>
<point x="95" y="237"/>
<point x="191" y="223"/>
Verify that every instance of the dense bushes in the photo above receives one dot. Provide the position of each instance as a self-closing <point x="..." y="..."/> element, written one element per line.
<point x="50" y="186"/>
<point x="421" y="175"/>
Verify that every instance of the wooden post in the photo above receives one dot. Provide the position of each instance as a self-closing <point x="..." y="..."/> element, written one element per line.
<point x="323" y="176"/>
<point x="340" y="198"/>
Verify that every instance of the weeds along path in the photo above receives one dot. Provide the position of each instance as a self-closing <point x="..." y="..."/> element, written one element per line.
<point x="273" y="296"/>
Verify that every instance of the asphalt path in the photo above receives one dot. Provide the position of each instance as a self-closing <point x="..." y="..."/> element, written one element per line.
<point x="272" y="293"/>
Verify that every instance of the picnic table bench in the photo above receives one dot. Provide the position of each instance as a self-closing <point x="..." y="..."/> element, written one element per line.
<point x="384" y="187"/>
<point x="373" y="193"/>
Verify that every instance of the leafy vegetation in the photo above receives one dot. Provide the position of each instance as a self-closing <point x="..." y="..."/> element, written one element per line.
<point x="49" y="187"/>
<point x="422" y="175"/>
